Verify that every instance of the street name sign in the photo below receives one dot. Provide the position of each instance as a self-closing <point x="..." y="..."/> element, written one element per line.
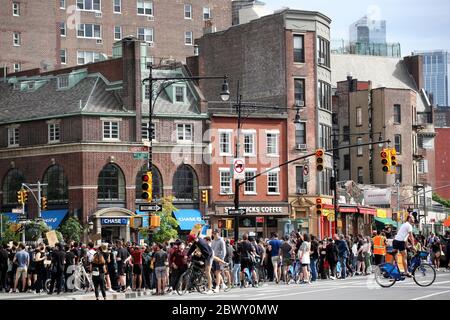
<point x="237" y="212"/>
<point x="140" y="156"/>
<point x="151" y="207"/>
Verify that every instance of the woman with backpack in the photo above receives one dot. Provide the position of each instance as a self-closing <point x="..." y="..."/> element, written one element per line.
<point x="98" y="271"/>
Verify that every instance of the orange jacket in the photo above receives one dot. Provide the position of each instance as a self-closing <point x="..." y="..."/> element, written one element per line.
<point x="379" y="246"/>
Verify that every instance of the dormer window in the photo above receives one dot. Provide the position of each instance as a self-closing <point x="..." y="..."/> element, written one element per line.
<point x="179" y="93"/>
<point x="63" y="81"/>
<point x="30" y="86"/>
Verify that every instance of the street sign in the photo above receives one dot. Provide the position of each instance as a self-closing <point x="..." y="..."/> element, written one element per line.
<point x="16" y="210"/>
<point x="306" y="173"/>
<point x="139" y="149"/>
<point x="237" y="212"/>
<point x="140" y="156"/>
<point x="238" y="169"/>
<point x="153" y="207"/>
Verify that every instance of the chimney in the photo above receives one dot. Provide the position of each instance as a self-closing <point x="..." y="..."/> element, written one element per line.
<point x="209" y="27"/>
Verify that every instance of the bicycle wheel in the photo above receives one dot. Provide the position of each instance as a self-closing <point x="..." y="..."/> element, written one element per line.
<point x="47" y="285"/>
<point x="383" y="278"/>
<point x="424" y="275"/>
<point x="201" y="283"/>
<point x="262" y="277"/>
<point x="184" y="283"/>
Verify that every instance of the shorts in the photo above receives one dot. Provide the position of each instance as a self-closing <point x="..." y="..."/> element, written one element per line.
<point x="275" y="260"/>
<point x="361" y="257"/>
<point x="306" y="265"/>
<point x="247" y="263"/>
<point x="209" y="261"/>
<point x="216" y="266"/>
<point x="378" y="259"/>
<point x="137" y="269"/>
<point x="120" y="268"/>
<point x="160" y="272"/>
<point x="287" y="262"/>
<point x="399" y="245"/>
<point x="21" y="272"/>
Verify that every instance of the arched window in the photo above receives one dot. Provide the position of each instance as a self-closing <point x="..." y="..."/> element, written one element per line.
<point x="156" y="185"/>
<point x="11" y="184"/>
<point x="57" y="189"/>
<point x="111" y="183"/>
<point x="185" y="184"/>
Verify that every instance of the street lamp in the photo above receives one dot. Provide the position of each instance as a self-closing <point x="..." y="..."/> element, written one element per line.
<point x="225" y="94"/>
<point x="91" y="226"/>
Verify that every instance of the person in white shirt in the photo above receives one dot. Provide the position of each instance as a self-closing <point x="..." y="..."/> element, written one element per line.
<point x="403" y="235"/>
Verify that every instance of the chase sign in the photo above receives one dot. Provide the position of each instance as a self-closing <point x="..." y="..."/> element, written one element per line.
<point x="114" y="221"/>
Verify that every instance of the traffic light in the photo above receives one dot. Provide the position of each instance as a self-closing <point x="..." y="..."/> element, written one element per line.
<point x="44" y="203"/>
<point x="319" y="205"/>
<point x="229" y="224"/>
<point x="221" y="224"/>
<point x="147" y="180"/>
<point x="136" y="222"/>
<point x="152" y="131"/>
<point x="20" y="197"/>
<point x="155" y="221"/>
<point x="205" y="196"/>
<point x="25" y="195"/>
<point x="385" y="160"/>
<point x="319" y="160"/>
<point x="393" y="154"/>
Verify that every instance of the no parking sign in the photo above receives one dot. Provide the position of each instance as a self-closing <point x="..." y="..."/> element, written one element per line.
<point x="238" y="169"/>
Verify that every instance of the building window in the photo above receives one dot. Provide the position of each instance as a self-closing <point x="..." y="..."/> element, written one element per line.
<point x="117" y="32"/>
<point x="62" y="29"/>
<point x="225" y="143"/>
<point x="89" y="5"/>
<point x="157" y="183"/>
<point x="300" y="180"/>
<point x="16" y="9"/>
<point x="323" y="52"/>
<point x="250" y="186"/>
<point x="187" y="11"/>
<point x="117" y="6"/>
<point x="111" y="183"/>
<point x="110" y="130"/>
<point x="249" y="144"/>
<point x="398" y="174"/>
<point x="179" y="93"/>
<point x="225" y="181"/>
<point x="346" y="162"/>
<point x="324" y="136"/>
<point x="346" y="135"/>
<point x="273" y="182"/>
<point x="397" y="114"/>
<point x="84" y="57"/>
<point x="62" y="4"/>
<point x="16" y="39"/>
<point x="145" y="130"/>
<point x="206" y="13"/>
<point x="324" y="95"/>
<point x="145" y="34"/>
<point x="300" y="133"/>
<point x="398" y="143"/>
<point x="17" y="67"/>
<point x="145" y="8"/>
<point x="324" y="182"/>
<point x="63" y="56"/>
<point x="299" y="51"/>
<point x="359" y="116"/>
<point x="188" y="38"/>
<point x="272" y="144"/>
<point x="425" y="142"/>
<point x="299" y="92"/>
<point x="422" y="166"/>
<point x="63" y="81"/>
<point x="11" y="184"/>
<point x="185" y="184"/>
<point x="184" y="132"/>
<point x="360" y="175"/>
<point x="91" y="31"/>
<point x="360" y="148"/>
<point x="53" y="132"/>
<point x="57" y="188"/>
<point x="13" y="137"/>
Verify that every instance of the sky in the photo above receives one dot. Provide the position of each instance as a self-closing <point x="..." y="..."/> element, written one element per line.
<point x="416" y="24"/>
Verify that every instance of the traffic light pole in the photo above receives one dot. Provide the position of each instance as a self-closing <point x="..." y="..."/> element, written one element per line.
<point x="236" y="181"/>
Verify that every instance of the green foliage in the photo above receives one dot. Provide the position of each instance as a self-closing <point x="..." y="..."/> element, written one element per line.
<point x="7" y="234"/>
<point x="71" y="230"/>
<point x="168" y="228"/>
<point x="35" y="230"/>
<point x="438" y="198"/>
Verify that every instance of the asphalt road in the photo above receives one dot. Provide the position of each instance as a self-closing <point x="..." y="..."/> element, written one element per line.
<point x="355" y="288"/>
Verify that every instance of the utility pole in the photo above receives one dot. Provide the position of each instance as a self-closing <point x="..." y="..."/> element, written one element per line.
<point x="236" y="181"/>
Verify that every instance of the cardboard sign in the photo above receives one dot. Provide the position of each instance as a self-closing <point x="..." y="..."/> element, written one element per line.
<point x="52" y="238"/>
<point x="142" y="242"/>
<point x="196" y="229"/>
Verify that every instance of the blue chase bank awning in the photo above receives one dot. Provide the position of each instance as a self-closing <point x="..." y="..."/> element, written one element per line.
<point x="188" y="218"/>
<point x="52" y="218"/>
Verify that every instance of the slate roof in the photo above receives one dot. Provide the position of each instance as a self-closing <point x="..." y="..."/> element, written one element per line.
<point x="382" y="71"/>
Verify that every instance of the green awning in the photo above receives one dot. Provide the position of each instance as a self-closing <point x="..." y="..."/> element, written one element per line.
<point x="386" y="221"/>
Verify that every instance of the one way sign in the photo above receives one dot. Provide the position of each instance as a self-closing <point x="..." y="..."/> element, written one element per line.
<point x="150" y="208"/>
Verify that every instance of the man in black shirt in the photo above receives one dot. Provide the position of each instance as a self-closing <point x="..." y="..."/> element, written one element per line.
<point x="57" y="267"/>
<point x="206" y="255"/>
<point x="247" y="251"/>
<point x="122" y="257"/>
<point x="69" y="268"/>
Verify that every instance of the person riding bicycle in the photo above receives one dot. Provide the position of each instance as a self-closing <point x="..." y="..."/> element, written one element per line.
<point x="247" y="250"/>
<point x="400" y="242"/>
<point x="206" y="255"/>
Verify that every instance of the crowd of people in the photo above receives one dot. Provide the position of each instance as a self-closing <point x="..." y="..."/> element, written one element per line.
<point x="122" y="267"/>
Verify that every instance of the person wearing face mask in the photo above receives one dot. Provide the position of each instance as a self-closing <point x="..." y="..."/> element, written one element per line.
<point x="178" y="262"/>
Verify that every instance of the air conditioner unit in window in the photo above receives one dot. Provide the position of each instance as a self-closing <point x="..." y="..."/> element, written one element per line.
<point x="301" y="146"/>
<point x="299" y="103"/>
<point x="98" y="14"/>
<point x="151" y="18"/>
<point x="301" y="191"/>
<point x="99" y="41"/>
<point x="151" y="44"/>
<point x="321" y="61"/>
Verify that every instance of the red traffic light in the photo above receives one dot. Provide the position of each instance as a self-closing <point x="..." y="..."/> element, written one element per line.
<point x="319" y="153"/>
<point x="383" y="154"/>
<point x="318" y="200"/>
<point x="145" y="177"/>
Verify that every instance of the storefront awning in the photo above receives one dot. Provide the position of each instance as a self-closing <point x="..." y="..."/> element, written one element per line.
<point x="348" y="209"/>
<point x="365" y="210"/>
<point x="52" y="218"/>
<point x="188" y="218"/>
<point x="385" y="221"/>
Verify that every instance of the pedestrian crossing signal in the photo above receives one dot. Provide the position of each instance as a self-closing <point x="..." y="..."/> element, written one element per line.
<point x="155" y="221"/>
<point x="147" y="180"/>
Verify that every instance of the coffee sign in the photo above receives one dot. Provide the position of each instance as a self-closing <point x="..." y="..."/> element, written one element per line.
<point x="261" y="210"/>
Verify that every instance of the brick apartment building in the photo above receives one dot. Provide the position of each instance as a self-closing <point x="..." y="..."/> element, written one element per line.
<point x="55" y="34"/>
<point x="81" y="130"/>
<point x="383" y="96"/>
<point x="282" y="60"/>
<point x="442" y="124"/>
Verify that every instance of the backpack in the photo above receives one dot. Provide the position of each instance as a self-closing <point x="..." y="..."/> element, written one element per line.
<point x="98" y="258"/>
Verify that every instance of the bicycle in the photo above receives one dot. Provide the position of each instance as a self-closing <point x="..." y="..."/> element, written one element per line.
<point x="193" y="278"/>
<point x="387" y="274"/>
<point x="292" y="272"/>
<point x="225" y="277"/>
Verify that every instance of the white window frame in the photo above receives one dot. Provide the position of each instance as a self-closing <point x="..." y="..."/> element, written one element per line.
<point x="120" y="31"/>
<point x="359" y="151"/>
<point x="14" y="133"/>
<point x="65" y="56"/>
<point x="144" y="4"/>
<point x="63" y="81"/>
<point x="229" y="188"/>
<point x="229" y="133"/>
<point x="17" y="67"/>
<point x="82" y="27"/>
<point x="271" y="172"/>
<point x="183" y="127"/>
<point x="62" y="28"/>
<point x="16" y="9"/>
<point x="108" y="136"/>
<point x="186" y="37"/>
<point x="277" y="151"/>
<point x="253" y="134"/>
<point x="145" y="127"/>
<point x="207" y="11"/>
<point x="175" y="87"/>
<point x="17" y="41"/>
<point x="63" y="2"/>
<point x="253" y="182"/>
<point x="92" y="3"/>
<point x="422" y="166"/>
<point x="120" y="7"/>
<point x="148" y="32"/>
<point x="54" y="130"/>
<point x="187" y="5"/>
<point x="86" y="55"/>
<point x="358" y="116"/>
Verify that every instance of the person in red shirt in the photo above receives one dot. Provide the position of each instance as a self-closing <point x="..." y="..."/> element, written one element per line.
<point x="136" y="255"/>
<point x="178" y="262"/>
